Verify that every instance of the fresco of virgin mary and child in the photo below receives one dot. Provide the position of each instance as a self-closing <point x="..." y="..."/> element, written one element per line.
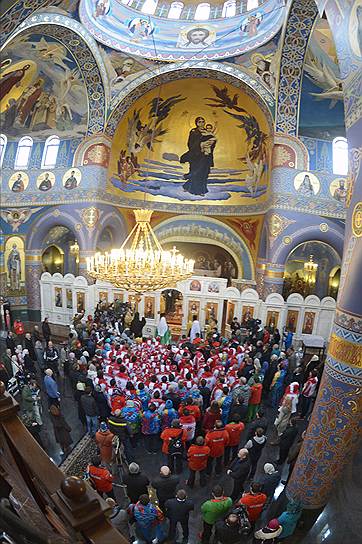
<point x="200" y="156"/>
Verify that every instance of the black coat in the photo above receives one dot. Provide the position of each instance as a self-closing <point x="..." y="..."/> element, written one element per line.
<point x="118" y="426"/>
<point x="89" y="405"/>
<point x="177" y="510"/>
<point x="137" y="326"/>
<point x="102" y="405"/>
<point x="46" y="330"/>
<point x="30" y="347"/>
<point x="240" y="468"/>
<point x="165" y="486"/>
<point x="288" y="437"/>
<point x="137" y="485"/>
<point x="227" y="534"/>
<point x="10" y="344"/>
<point x="258" y="422"/>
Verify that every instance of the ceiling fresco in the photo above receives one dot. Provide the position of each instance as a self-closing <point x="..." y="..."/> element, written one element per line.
<point x="122" y="28"/>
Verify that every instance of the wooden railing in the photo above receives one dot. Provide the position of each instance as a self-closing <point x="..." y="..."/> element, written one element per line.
<point x="59" y="509"/>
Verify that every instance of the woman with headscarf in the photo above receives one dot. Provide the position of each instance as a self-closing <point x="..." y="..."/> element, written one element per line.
<point x="284" y="415"/>
<point x="289" y="519"/>
<point x="163" y="330"/>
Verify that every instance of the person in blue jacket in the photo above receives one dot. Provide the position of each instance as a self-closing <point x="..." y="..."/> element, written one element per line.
<point x="288" y="339"/>
<point x="289" y="518"/>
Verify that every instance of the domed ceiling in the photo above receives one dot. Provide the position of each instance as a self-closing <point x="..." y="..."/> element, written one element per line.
<point x="172" y="31"/>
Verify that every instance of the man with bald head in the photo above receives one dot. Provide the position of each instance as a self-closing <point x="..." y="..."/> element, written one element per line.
<point x="239" y="471"/>
<point x="165" y="485"/>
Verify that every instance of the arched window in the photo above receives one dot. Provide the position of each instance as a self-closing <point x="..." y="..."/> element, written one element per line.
<point x="229" y="8"/>
<point x="3" y="142"/>
<point x="23" y="152"/>
<point x="340" y="156"/>
<point x="252" y="4"/>
<point x="202" y="12"/>
<point x="175" y="10"/>
<point x="149" y="6"/>
<point x="50" y="152"/>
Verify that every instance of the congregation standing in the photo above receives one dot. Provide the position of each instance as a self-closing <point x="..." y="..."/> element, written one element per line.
<point x="191" y="401"/>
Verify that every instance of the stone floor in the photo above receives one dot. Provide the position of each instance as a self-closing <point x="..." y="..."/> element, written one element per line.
<point x="337" y="524"/>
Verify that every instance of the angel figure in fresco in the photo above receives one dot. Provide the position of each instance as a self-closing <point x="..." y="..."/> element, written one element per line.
<point x="255" y="172"/>
<point x="144" y="134"/>
<point x="324" y="77"/>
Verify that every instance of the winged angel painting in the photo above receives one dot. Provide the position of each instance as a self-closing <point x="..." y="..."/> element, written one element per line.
<point x="42" y="89"/>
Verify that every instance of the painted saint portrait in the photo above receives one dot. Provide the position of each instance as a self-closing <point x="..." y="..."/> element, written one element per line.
<point x="58" y="297"/>
<point x="213" y="287"/>
<point x="18" y="182"/>
<point x="355" y="28"/>
<point x="149" y="307"/>
<point x="102" y="8"/>
<point x="247" y="313"/>
<point x="194" y="309"/>
<point x="230" y="312"/>
<point x="308" y="322"/>
<point x="250" y="25"/>
<point x="45" y="181"/>
<point x="69" y="298"/>
<point x="338" y="189"/>
<point x="211" y="311"/>
<point x="195" y="285"/>
<point x="272" y="319"/>
<point x="292" y="320"/>
<point x="80" y="301"/>
<point x="307" y="184"/>
<point x="196" y="37"/>
<point x="140" y="29"/>
<point x="71" y="179"/>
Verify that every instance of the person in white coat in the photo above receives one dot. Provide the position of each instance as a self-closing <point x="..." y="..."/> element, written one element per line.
<point x="195" y="328"/>
<point x="163" y="330"/>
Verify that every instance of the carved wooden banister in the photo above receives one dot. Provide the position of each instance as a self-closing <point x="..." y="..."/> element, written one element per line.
<point x="68" y="509"/>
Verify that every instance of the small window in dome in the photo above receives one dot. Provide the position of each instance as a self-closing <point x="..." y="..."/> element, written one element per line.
<point x="23" y="152"/>
<point x="3" y="142"/>
<point x="202" y="12"/>
<point x="252" y="4"/>
<point x="340" y="156"/>
<point x="50" y="152"/>
<point x="127" y="2"/>
<point x="229" y="8"/>
<point x="175" y="10"/>
<point x="149" y="7"/>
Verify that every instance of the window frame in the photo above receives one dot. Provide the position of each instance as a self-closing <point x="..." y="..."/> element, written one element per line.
<point x="3" y="144"/>
<point x="48" y="145"/>
<point x="18" y="152"/>
<point x="340" y="155"/>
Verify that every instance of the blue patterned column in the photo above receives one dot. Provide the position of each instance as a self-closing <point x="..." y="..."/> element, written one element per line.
<point x="334" y="429"/>
<point x="273" y="278"/>
<point x="33" y="272"/>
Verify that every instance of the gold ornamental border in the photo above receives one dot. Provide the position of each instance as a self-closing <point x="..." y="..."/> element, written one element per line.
<point x="345" y="351"/>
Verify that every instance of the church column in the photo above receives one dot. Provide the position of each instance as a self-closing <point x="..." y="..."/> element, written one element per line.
<point x="33" y="272"/>
<point x="259" y="276"/>
<point x="273" y="278"/>
<point x="83" y="254"/>
<point x="334" y="429"/>
<point x="3" y="274"/>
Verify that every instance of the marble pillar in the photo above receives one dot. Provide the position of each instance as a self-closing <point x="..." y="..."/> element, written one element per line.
<point x="334" y="429"/>
<point x="33" y="272"/>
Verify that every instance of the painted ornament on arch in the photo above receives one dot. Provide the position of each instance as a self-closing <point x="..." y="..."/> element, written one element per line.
<point x="90" y="216"/>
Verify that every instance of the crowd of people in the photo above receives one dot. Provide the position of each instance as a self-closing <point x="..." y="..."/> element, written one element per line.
<point x="200" y="403"/>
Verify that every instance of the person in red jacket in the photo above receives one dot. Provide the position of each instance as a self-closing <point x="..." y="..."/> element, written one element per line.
<point x="100" y="477"/>
<point x="217" y="440"/>
<point x="212" y="414"/>
<point x="18" y="328"/>
<point x="174" y="461"/>
<point x="234" y="430"/>
<point x="189" y="405"/>
<point x="104" y="439"/>
<point x="255" y="399"/>
<point x="197" y="457"/>
<point x="254" y="501"/>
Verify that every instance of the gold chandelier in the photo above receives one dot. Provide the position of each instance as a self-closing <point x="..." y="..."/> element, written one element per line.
<point x="140" y="265"/>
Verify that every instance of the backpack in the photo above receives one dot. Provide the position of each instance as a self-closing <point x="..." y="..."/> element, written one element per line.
<point x="175" y="445"/>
